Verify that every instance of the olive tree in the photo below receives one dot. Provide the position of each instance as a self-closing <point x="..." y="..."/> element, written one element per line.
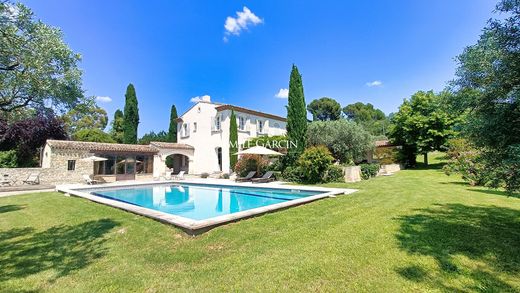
<point x="347" y="141"/>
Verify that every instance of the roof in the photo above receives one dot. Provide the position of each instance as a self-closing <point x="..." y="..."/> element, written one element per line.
<point x="249" y="111"/>
<point x="383" y="143"/>
<point x="112" y="147"/>
<point x="171" y="145"/>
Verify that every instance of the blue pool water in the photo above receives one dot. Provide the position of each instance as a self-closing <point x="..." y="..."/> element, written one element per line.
<point x="200" y="202"/>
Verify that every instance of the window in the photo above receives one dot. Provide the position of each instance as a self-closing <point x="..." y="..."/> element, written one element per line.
<point x="241" y="123"/>
<point x="71" y="165"/>
<point x="194" y="126"/>
<point x="260" y="126"/>
<point x="216" y="126"/>
<point x="185" y="130"/>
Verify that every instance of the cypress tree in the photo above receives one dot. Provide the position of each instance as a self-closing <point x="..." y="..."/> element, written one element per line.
<point x="172" y="131"/>
<point x="296" y="117"/>
<point x="117" y="126"/>
<point x="131" y="116"/>
<point x="233" y="140"/>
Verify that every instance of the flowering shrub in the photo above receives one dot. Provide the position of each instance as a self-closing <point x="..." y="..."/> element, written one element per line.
<point x="314" y="162"/>
<point x="248" y="163"/>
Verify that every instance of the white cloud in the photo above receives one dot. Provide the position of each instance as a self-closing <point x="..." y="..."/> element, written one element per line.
<point x="103" y="99"/>
<point x="244" y="19"/>
<point x="282" y="94"/>
<point x="374" y="83"/>
<point x="197" y="99"/>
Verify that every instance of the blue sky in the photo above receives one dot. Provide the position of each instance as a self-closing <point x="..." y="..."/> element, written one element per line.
<point x="173" y="51"/>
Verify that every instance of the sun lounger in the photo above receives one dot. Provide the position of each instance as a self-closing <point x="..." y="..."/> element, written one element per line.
<point x="6" y="181"/>
<point x="179" y="176"/>
<point x="89" y="180"/>
<point x="268" y="177"/>
<point x="248" y="177"/>
<point x="33" y="178"/>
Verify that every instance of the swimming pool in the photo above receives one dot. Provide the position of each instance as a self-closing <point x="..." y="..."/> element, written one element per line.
<point x="202" y="202"/>
<point x="197" y="206"/>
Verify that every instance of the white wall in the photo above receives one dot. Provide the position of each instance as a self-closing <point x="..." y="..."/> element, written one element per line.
<point x="205" y="141"/>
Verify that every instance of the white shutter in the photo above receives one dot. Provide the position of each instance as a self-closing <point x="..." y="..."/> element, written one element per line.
<point x="213" y="123"/>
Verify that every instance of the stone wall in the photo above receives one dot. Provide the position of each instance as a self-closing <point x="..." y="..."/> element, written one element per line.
<point x="352" y="173"/>
<point x="389" y="169"/>
<point x="57" y="172"/>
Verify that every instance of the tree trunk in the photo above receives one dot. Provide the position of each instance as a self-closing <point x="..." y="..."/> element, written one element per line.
<point x="425" y="158"/>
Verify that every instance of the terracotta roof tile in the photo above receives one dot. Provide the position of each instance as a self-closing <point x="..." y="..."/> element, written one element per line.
<point x="171" y="145"/>
<point x="113" y="147"/>
<point x="249" y="111"/>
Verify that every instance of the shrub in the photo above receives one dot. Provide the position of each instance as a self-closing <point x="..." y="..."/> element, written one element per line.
<point x="334" y="174"/>
<point x="8" y="159"/>
<point x="369" y="170"/>
<point x="204" y="175"/>
<point x="465" y="159"/>
<point x="314" y="162"/>
<point x="224" y="176"/>
<point x="347" y="141"/>
<point x="292" y="174"/>
<point x="387" y="155"/>
<point x="248" y="163"/>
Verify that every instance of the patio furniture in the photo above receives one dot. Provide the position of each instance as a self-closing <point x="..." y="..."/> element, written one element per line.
<point x="268" y="177"/>
<point x="32" y="179"/>
<point x="6" y="181"/>
<point x="248" y="177"/>
<point x="179" y="176"/>
<point x="89" y="180"/>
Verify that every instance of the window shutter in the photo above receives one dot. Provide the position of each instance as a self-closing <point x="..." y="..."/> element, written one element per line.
<point x="212" y="123"/>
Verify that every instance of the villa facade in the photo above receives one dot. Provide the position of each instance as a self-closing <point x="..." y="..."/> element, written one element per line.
<point x="203" y="147"/>
<point x="206" y="127"/>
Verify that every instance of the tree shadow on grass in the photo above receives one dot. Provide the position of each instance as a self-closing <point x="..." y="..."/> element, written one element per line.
<point x="63" y="249"/>
<point x="487" y="234"/>
<point x="495" y="192"/>
<point x="10" y="208"/>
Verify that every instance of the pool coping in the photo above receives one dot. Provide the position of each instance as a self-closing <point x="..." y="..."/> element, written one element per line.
<point x="196" y="227"/>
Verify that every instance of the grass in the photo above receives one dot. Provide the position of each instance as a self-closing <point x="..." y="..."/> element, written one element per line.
<point x="418" y="230"/>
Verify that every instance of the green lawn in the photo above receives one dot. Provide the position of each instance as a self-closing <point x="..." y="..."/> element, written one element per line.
<point x="418" y="230"/>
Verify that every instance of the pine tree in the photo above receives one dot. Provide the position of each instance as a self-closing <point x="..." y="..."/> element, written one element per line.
<point x="296" y="117"/>
<point x="172" y="131"/>
<point x="233" y="140"/>
<point x="117" y="126"/>
<point x="131" y="116"/>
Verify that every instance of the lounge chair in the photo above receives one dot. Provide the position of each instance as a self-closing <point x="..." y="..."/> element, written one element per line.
<point x="248" y="177"/>
<point x="268" y="177"/>
<point x="89" y="180"/>
<point x="179" y="176"/>
<point x="33" y="179"/>
<point x="6" y="181"/>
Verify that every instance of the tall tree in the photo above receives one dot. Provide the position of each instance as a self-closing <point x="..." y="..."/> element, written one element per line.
<point x="28" y="135"/>
<point x="324" y="109"/>
<point x="131" y="116"/>
<point x="233" y="140"/>
<point x="152" y="136"/>
<point x="372" y="119"/>
<point x="37" y="68"/>
<point x="172" y="130"/>
<point x="296" y="117"/>
<point x="117" y="128"/>
<point x="93" y="135"/>
<point x="85" y="115"/>
<point x="488" y="93"/>
<point x="422" y="125"/>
